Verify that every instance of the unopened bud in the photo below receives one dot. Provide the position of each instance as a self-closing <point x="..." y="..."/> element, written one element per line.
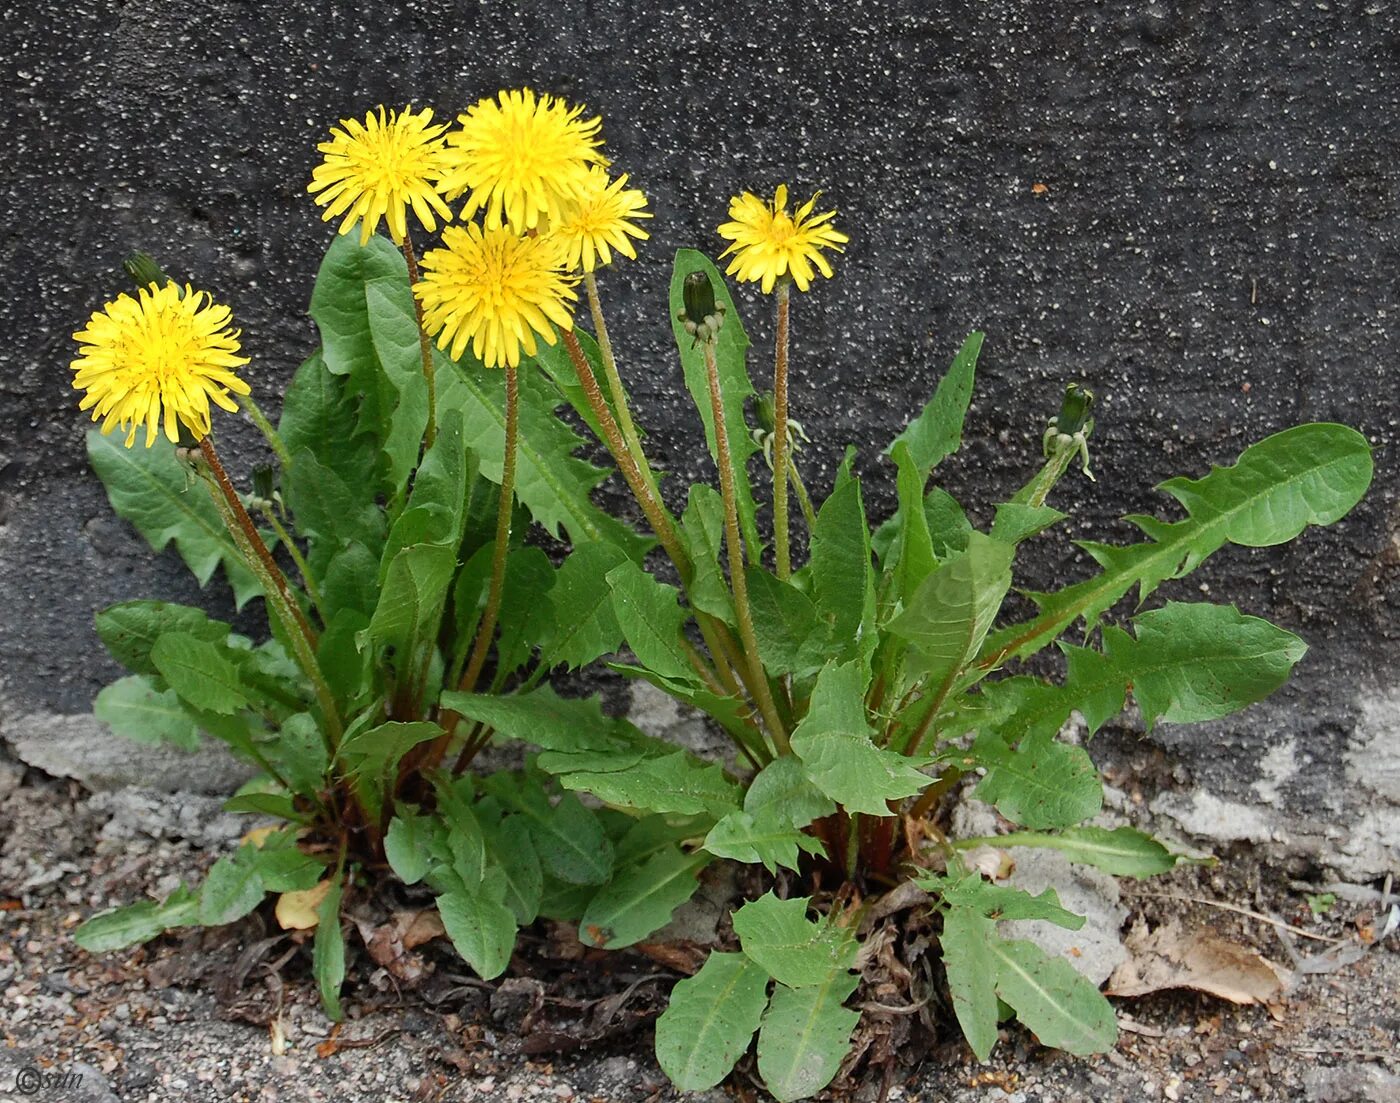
<point x="144" y="271"/>
<point x="262" y="482"/>
<point x="1074" y="411"/>
<point x="698" y="295"/>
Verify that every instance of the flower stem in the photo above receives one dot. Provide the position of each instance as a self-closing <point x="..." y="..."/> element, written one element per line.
<point x="273" y="438"/>
<point x="281" y="606"/>
<point x="297" y="558"/>
<point x="615" y="387"/>
<point x="780" y="436"/>
<point x="424" y="347"/>
<point x="487" y="628"/>
<point x="255" y="541"/>
<point x="655" y="510"/>
<point x="758" y="679"/>
<point x="1038" y="489"/>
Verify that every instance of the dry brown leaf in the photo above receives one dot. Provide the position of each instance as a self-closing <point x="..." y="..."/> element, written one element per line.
<point x="1172" y="958"/>
<point x="296" y="911"/>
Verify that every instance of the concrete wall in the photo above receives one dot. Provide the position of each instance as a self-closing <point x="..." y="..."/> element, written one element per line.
<point x="1190" y="207"/>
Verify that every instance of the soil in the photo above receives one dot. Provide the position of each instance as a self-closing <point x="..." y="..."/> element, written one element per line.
<point x="232" y="1014"/>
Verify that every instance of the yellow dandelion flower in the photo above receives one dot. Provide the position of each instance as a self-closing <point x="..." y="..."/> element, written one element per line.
<point x="379" y="169"/>
<point x="159" y="358"/>
<point x="769" y="243"/>
<point x="598" y="222"/>
<point x="495" y="289"/>
<point x="520" y="158"/>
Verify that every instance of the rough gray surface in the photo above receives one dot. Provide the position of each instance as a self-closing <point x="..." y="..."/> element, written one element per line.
<point x="1192" y="209"/>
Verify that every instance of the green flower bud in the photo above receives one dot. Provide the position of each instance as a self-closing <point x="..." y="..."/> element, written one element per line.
<point x="144" y="271"/>
<point x="698" y="294"/>
<point x="1074" y="411"/>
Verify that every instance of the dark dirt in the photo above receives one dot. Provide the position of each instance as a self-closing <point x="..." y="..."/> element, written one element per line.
<point x="231" y="1014"/>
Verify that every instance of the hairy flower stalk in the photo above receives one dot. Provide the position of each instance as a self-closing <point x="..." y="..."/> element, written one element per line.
<point x="776" y="249"/>
<point x="486" y="630"/>
<point x="425" y="349"/>
<point x="281" y="602"/>
<point x="780" y="441"/>
<point x="654" y="509"/>
<point x="758" y="678"/>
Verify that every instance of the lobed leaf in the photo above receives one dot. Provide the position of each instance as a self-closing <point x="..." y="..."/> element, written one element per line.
<point x="1308" y="475"/>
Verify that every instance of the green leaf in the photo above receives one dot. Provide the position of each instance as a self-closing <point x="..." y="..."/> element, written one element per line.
<point x="675" y="783"/>
<point x="299" y="753"/>
<point x="573" y="732"/>
<point x="363" y="307"/>
<point x="843" y="579"/>
<point x="971" y="891"/>
<point x="651" y="620"/>
<point x="1041" y="783"/>
<point x="328" y="950"/>
<point x="1053" y="999"/>
<point x="1122" y="851"/>
<point x="805" y="1036"/>
<point x="731" y="350"/>
<point x="783" y="788"/>
<point x="465" y="841"/>
<point x="134" y="709"/>
<point x="284" y="867"/>
<point x="703" y="526"/>
<point x="797" y="952"/>
<point x="318" y="414"/>
<point x="791" y="638"/>
<point x="1309" y="475"/>
<point x="550" y="481"/>
<point x="911" y="557"/>
<point x="411" y="604"/>
<point x="330" y="512"/>
<point x="200" y="672"/>
<point x="571" y="843"/>
<point x="525" y="596"/>
<point x="233" y="888"/>
<point x="375" y="752"/>
<point x="764" y="837"/>
<point x="441" y="481"/>
<point x="709" y="1021"/>
<point x="1189" y="662"/>
<point x="949" y="615"/>
<point x="350" y="582"/>
<point x="937" y="432"/>
<point x="481" y="929"/>
<point x="407" y="845"/>
<point x="516" y="863"/>
<point x="640" y="900"/>
<point x="1018" y="521"/>
<point x="130" y="629"/>
<point x="834" y="744"/>
<point x="971" y="973"/>
<point x="117" y="928"/>
<point x="165" y="501"/>
<point x="583" y="626"/>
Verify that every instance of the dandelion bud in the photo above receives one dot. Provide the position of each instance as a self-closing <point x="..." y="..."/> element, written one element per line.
<point x="144" y="271"/>
<point x="1074" y="411"/>
<point x="262" y="482"/>
<point x="699" y="297"/>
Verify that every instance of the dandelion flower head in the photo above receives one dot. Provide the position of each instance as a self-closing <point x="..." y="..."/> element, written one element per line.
<point x="379" y="169"/>
<point x="158" y="360"/>
<point x="768" y="243"/>
<point x="599" y="221"/>
<point x="497" y="290"/>
<point x="521" y="158"/>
